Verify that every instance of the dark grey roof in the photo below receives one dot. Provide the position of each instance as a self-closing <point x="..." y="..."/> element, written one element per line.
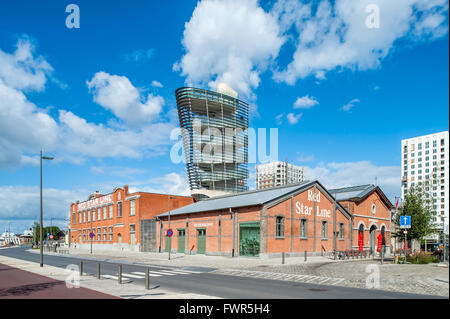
<point x="250" y="198"/>
<point x="352" y="192"/>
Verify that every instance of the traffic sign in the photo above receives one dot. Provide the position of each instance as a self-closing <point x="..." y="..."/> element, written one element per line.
<point x="405" y="221"/>
<point x="48" y="235"/>
<point x="169" y="232"/>
<point x="91" y="234"/>
<point x="405" y="232"/>
<point x="51" y="236"/>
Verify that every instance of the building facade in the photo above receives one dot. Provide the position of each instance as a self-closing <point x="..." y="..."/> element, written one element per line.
<point x="371" y="213"/>
<point x="115" y="219"/>
<point x="425" y="162"/>
<point x="266" y="223"/>
<point x="277" y="174"/>
<point x="215" y="140"/>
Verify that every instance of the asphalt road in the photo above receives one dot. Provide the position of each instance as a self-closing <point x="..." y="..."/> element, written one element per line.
<point x="203" y="282"/>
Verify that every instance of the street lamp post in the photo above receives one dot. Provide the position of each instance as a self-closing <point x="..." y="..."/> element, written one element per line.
<point x="170" y="238"/>
<point x="41" y="230"/>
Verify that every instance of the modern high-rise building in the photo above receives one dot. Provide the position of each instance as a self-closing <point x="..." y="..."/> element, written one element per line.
<point x="215" y="140"/>
<point x="277" y="174"/>
<point x="425" y="162"/>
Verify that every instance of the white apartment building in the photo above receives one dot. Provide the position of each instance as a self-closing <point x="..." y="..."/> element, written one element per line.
<point x="277" y="174"/>
<point x="425" y="162"/>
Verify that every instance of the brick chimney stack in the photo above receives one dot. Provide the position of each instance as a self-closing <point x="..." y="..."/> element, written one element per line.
<point x="125" y="188"/>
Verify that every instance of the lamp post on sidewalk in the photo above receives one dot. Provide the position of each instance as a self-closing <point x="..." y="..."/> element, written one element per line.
<point x="41" y="230"/>
<point x="170" y="238"/>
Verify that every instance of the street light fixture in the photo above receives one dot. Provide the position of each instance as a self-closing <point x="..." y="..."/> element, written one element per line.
<point x="41" y="230"/>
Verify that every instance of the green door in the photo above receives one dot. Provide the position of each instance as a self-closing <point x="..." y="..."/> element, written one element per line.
<point x="249" y="239"/>
<point x="201" y="240"/>
<point x="181" y="241"/>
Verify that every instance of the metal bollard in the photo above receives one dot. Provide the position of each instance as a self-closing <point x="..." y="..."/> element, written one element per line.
<point x="120" y="274"/>
<point x="305" y="255"/>
<point x="81" y="268"/>
<point x="147" y="279"/>
<point x="98" y="271"/>
<point x="282" y="257"/>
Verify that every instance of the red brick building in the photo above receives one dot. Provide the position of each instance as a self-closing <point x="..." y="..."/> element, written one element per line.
<point x="116" y="218"/>
<point x="371" y="214"/>
<point x="290" y="219"/>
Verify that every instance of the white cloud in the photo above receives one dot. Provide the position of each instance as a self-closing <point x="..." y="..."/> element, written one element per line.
<point x="347" y="107"/>
<point x="333" y="36"/>
<point x="305" y="102"/>
<point x="279" y="119"/>
<point x="171" y="183"/>
<point x="21" y="205"/>
<point x="293" y="119"/>
<point x="116" y="93"/>
<point x="23" y="127"/>
<point x="157" y="84"/>
<point x="336" y="175"/>
<point x="305" y="158"/>
<point x="23" y="70"/>
<point x="230" y="41"/>
<point x="139" y="55"/>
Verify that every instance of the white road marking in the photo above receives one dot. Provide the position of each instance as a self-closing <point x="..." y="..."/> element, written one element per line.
<point x="143" y="274"/>
<point x="132" y="276"/>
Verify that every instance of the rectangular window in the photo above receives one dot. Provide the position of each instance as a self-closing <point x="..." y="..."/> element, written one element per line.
<point x="89" y="215"/>
<point x="74" y="218"/>
<point x="104" y="212"/>
<point x="110" y="233"/>
<point x="99" y="233"/>
<point x="324" y="230"/>
<point x="104" y="233"/>
<point x="279" y="226"/>
<point x="132" y="228"/>
<point x="93" y="214"/>
<point x="99" y="213"/>
<point x="341" y="231"/>
<point x="119" y="209"/>
<point x="84" y="216"/>
<point x="132" y="208"/>
<point x="110" y="211"/>
<point x="303" y="229"/>
<point x="79" y="218"/>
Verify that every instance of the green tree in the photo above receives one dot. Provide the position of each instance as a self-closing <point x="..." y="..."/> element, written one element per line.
<point x="54" y="230"/>
<point x="419" y="205"/>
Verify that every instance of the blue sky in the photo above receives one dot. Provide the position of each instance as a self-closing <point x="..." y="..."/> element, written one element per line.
<point x="100" y="98"/>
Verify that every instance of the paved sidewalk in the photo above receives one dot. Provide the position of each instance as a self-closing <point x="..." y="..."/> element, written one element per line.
<point x="106" y="286"/>
<point x="182" y="260"/>
<point x="19" y="284"/>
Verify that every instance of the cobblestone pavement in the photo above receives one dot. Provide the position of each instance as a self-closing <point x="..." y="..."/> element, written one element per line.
<point x="428" y="279"/>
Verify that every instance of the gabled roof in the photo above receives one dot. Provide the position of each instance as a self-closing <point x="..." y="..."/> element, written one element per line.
<point x="358" y="193"/>
<point x="250" y="198"/>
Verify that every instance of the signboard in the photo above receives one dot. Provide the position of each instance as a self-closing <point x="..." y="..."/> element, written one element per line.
<point x="51" y="236"/>
<point x="405" y="232"/>
<point x="103" y="200"/>
<point x="169" y="232"/>
<point x="91" y="234"/>
<point x="48" y="235"/>
<point x="405" y="221"/>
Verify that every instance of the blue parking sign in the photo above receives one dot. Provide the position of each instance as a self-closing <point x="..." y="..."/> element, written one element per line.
<point x="405" y="221"/>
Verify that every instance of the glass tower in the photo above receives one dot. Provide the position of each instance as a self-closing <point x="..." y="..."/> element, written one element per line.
<point x="215" y="140"/>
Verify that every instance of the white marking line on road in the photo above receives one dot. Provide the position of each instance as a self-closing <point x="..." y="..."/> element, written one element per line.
<point x="192" y="271"/>
<point x="132" y="276"/>
<point x="162" y="273"/>
<point x="143" y="274"/>
<point x="178" y="272"/>
<point x="110" y="277"/>
<point x="324" y="280"/>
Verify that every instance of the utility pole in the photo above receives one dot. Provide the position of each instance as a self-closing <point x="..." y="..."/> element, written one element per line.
<point x="41" y="230"/>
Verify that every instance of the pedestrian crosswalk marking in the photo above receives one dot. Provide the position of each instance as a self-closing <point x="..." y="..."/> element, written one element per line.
<point x="133" y="276"/>
<point x="143" y="274"/>
<point x="281" y="276"/>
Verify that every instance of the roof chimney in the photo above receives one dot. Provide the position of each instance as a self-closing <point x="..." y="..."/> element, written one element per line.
<point x="125" y="188"/>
